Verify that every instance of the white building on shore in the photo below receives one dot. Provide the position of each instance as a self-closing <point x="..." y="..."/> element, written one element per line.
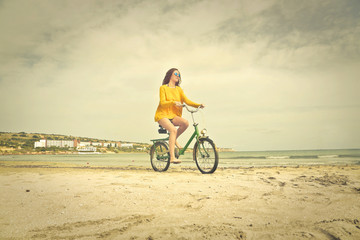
<point x="41" y="143"/>
<point x="109" y="144"/>
<point x="127" y="145"/>
<point x="55" y="143"/>
<point x="75" y="144"/>
<point x="84" y="144"/>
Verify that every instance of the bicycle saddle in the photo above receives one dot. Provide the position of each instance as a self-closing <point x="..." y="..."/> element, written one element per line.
<point x="162" y="130"/>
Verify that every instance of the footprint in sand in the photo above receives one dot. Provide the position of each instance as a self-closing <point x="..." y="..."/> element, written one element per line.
<point x="100" y="228"/>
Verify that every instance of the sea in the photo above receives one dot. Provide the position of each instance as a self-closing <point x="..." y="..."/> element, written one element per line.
<point x="226" y="159"/>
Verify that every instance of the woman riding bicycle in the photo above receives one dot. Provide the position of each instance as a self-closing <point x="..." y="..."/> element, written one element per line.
<point x="169" y="111"/>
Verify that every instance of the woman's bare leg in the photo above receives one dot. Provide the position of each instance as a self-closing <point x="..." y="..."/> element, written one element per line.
<point x="183" y="124"/>
<point x="165" y="123"/>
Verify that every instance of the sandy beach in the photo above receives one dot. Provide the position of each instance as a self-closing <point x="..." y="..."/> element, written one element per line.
<point x="66" y="202"/>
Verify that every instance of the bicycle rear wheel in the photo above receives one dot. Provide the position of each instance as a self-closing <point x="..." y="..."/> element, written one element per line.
<point x="160" y="157"/>
<point x="206" y="156"/>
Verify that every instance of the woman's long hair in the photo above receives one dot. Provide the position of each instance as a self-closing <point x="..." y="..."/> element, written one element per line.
<point x="168" y="76"/>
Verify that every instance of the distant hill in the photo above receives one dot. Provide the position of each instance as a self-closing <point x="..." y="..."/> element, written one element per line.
<point x="23" y="143"/>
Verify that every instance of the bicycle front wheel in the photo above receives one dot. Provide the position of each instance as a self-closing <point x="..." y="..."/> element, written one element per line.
<point x="160" y="157"/>
<point x="206" y="156"/>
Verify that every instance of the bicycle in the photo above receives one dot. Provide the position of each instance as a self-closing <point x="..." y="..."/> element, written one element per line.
<point x="205" y="153"/>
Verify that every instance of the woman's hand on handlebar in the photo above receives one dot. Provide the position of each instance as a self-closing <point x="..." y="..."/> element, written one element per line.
<point x="202" y="106"/>
<point x="178" y="104"/>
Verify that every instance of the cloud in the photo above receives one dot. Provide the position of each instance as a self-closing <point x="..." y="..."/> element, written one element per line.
<point x="298" y="35"/>
<point x="95" y="69"/>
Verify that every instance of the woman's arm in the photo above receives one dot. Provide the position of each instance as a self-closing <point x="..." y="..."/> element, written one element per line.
<point x="188" y="101"/>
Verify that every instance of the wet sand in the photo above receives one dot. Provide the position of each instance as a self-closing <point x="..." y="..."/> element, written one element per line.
<point x="42" y="201"/>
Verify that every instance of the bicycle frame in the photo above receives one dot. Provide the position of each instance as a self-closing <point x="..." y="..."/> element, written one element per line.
<point x="182" y="151"/>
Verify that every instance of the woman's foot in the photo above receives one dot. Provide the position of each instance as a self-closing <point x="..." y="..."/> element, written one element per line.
<point x="175" y="161"/>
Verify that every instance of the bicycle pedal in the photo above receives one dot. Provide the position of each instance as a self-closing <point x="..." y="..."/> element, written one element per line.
<point x="161" y="153"/>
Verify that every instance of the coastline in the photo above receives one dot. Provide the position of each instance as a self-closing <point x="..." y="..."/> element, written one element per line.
<point x="67" y="153"/>
<point x="47" y="201"/>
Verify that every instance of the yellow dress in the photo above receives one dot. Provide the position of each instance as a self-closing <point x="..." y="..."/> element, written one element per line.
<point x="168" y="97"/>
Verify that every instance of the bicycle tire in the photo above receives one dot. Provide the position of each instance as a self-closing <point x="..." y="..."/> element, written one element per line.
<point x="206" y="161"/>
<point x="160" y="157"/>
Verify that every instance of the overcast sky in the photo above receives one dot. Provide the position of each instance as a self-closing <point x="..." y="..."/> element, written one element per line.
<point x="273" y="74"/>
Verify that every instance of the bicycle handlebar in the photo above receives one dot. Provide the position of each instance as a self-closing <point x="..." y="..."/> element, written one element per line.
<point x="191" y="111"/>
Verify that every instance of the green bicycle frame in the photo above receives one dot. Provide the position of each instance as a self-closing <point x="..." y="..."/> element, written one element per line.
<point x="182" y="151"/>
<point x="195" y="134"/>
